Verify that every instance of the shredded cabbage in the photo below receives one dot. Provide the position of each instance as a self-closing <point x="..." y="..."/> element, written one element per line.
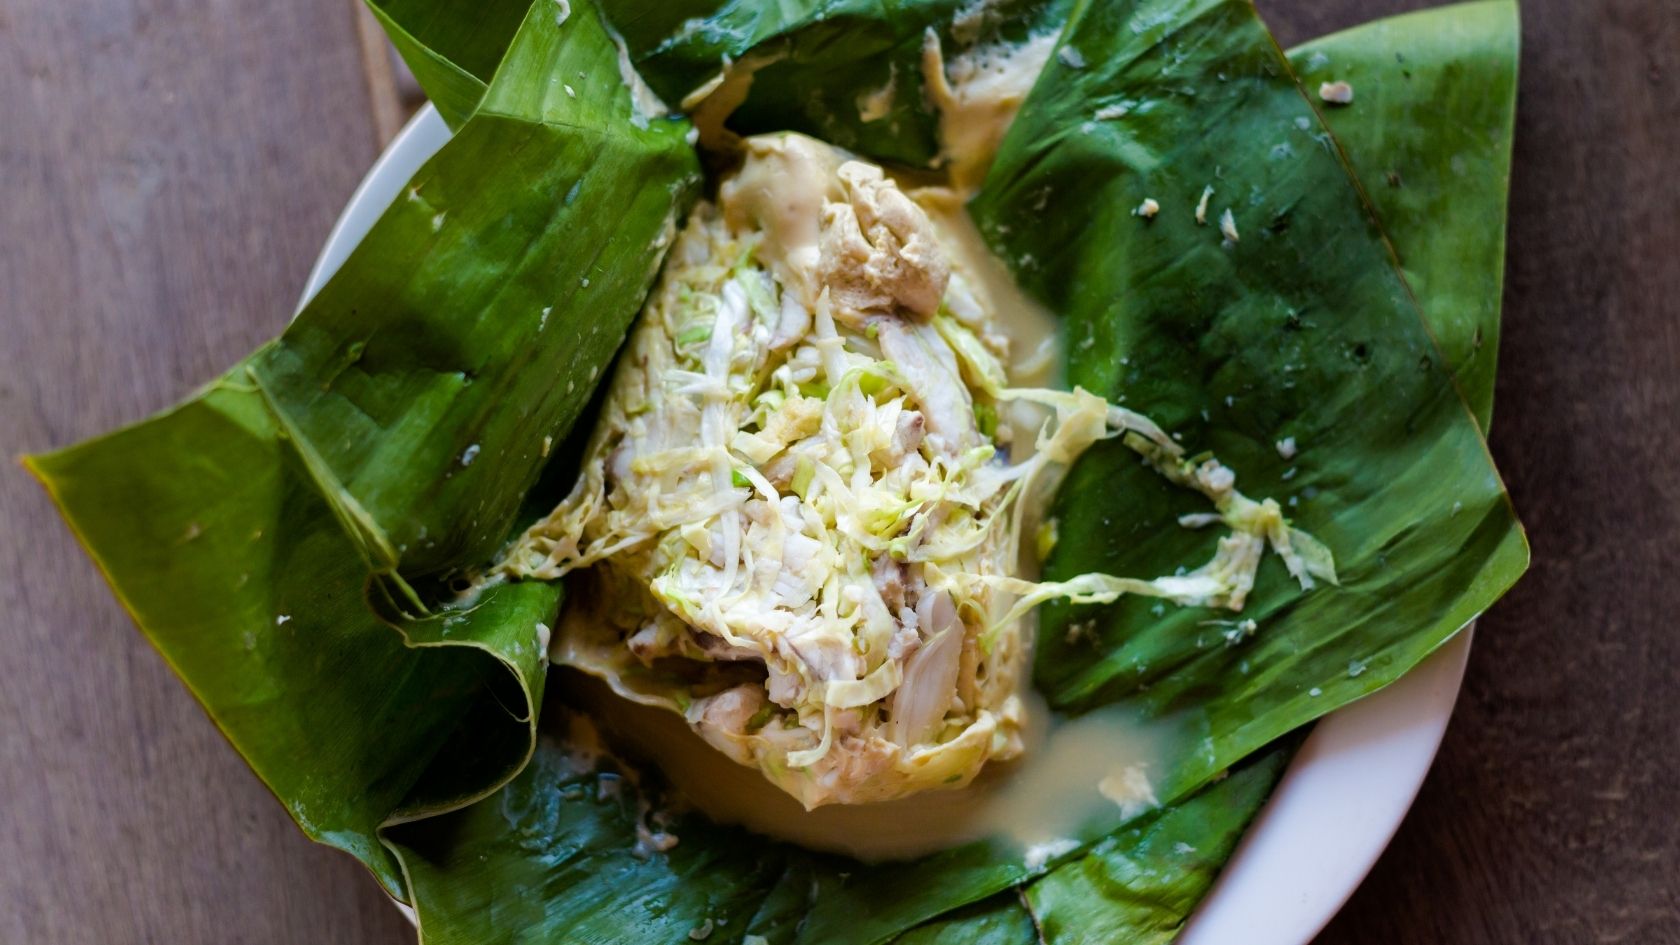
<point x="799" y="517"/>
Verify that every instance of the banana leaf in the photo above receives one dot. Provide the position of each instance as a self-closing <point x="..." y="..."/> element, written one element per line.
<point x="322" y="481"/>
<point x="560" y="854"/>
<point x="1137" y="885"/>
<point x="1134" y="883"/>
<point x="266" y="534"/>
<point x="1299" y="332"/>
<point x="1414" y="75"/>
<point x="1420" y="168"/>
<point x="811" y="61"/>
<point x="1430" y="135"/>
<point x="452" y="47"/>
<point x="555" y="856"/>
<point x="1000" y="920"/>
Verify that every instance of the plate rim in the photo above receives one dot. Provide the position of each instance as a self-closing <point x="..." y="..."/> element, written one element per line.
<point x="1337" y="806"/>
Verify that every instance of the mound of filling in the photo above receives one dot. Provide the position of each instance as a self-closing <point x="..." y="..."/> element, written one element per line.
<point x="798" y="519"/>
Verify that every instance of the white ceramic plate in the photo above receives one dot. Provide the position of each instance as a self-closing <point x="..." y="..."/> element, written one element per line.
<point x="1343" y="796"/>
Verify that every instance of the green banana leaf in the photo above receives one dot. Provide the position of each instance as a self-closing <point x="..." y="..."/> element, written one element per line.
<point x="1413" y="74"/>
<point x="1140" y="884"/>
<point x="337" y="476"/>
<point x="452" y="47"/>
<point x="1091" y="897"/>
<point x="555" y="857"/>
<point x="1300" y="332"/>
<point x="259" y="531"/>
<point x="812" y="60"/>
<point x="1430" y="135"/>
<point x="1000" y="920"/>
<point x="559" y="854"/>
<point x="1136" y="886"/>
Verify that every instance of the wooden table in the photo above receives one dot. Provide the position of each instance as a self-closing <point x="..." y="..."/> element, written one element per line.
<point x="168" y="171"/>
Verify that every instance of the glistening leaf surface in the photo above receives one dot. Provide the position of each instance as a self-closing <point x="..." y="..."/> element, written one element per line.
<point x="263" y="532"/>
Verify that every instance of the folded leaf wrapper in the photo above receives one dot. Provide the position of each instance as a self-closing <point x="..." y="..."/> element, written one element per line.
<point x="389" y="435"/>
<point x="1285" y="341"/>
<point x="282" y="537"/>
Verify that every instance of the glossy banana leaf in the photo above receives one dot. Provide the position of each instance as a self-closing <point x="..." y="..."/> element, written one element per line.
<point x="813" y="62"/>
<point x="1001" y="920"/>
<point x="1413" y="75"/>
<point x="1136" y="886"/>
<point x="1429" y="134"/>
<point x="452" y="46"/>
<point x="1137" y="883"/>
<point x="263" y="533"/>
<point x="556" y="856"/>
<point x="1294" y="351"/>
<point x="561" y="854"/>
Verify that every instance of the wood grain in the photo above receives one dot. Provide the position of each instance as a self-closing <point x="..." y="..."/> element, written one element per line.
<point x="168" y="170"/>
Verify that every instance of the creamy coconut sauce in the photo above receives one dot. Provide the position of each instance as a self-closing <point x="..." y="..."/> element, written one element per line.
<point x="977" y="94"/>
<point x="1073" y="772"/>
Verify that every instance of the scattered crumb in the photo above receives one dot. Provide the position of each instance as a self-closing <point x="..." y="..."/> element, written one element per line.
<point x="1129" y="788"/>
<point x="1240" y="632"/>
<point x="1147" y="209"/>
<point x="648" y="841"/>
<point x="877" y="104"/>
<point x="1202" y="207"/>
<point x="702" y="931"/>
<point x="1315" y="692"/>
<point x="571" y="92"/>
<point x="1228" y="226"/>
<point x="469" y="454"/>
<point x="282" y="619"/>
<point x="1336" y="93"/>
<point x="1286" y="447"/>
<point x="547" y="444"/>
<point x="1082" y="630"/>
<point x="1071" y="57"/>
<point x="1041" y="853"/>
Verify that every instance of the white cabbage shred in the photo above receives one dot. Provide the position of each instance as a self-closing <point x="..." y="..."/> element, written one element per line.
<point x="798" y="518"/>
